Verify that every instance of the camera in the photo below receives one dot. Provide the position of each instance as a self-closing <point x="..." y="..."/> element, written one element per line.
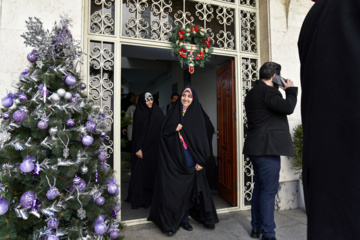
<point x="277" y="80"/>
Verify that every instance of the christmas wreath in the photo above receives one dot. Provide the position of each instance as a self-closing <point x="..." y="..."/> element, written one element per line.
<point x="189" y="34"/>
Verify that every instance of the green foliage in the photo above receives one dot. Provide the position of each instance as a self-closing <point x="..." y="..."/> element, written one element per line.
<point x="298" y="147"/>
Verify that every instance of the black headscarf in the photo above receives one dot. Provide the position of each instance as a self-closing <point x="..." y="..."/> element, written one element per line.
<point x="146" y="137"/>
<point x="178" y="188"/>
<point x="330" y="58"/>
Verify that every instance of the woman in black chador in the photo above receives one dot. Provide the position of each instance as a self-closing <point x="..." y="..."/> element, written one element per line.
<point x="181" y="188"/>
<point x="147" y="122"/>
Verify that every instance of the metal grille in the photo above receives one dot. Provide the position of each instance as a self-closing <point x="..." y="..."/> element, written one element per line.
<point x="249" y="76"/>
<point x="248" y="31"/>
<point x="102" y="19"/>
<point x="249" y="3"/>
<point x="101" y="86"/>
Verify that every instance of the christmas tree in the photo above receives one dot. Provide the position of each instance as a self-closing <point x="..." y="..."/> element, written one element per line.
<point x="54" y="179"/>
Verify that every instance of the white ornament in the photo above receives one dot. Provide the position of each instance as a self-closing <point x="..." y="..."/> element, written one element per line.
<point x="55" y="97"/>
<point x="68" y="96"/>
<point x="61" y="92"/>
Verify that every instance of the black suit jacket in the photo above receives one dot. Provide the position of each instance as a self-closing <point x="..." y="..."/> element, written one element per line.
<point x="268" y="128"/>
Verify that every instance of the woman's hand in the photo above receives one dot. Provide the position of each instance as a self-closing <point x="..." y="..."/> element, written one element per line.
<point x="179" y="127"/>
<point x="198" y="167"/>
<point x="139" y="154"/>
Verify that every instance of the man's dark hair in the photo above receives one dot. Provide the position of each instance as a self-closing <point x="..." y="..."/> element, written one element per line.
<point x="268" y="69"/>
<point x="174" y="94"/>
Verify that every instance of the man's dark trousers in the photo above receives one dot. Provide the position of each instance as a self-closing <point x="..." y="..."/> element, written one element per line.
<point x="266" y="179"/>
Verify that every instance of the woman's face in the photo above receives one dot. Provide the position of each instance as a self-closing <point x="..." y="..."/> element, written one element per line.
<point x="149" y="103"/>
<point x="186" y="99"/>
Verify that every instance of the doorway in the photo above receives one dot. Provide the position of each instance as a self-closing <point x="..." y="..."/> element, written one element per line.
<point x="154" y="70"/>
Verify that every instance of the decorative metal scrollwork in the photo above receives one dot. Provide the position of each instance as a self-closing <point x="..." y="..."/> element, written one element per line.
<point x="248" y="31"/>
<point x="100" y="21"/>
<point x="225" y="39"/>
<point x="181" y="18"/>
<point x="249" y="3"/>
<point x="249" y="76"/>
<point x="100" y="85"/>
<point x="161" y="30"/>
<point x="205" y="12"/>
<point x="137" y="26"/>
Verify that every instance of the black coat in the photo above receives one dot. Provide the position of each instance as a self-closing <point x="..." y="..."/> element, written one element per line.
<point x="330" y="58"/>
<point x="268" y="127"/>
<point x="179" y="189"/>
<point x="146" y="137"/>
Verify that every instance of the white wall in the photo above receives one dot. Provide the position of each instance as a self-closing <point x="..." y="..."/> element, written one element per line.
<point x="285" y="18"/>
<point x="13" y="14"/>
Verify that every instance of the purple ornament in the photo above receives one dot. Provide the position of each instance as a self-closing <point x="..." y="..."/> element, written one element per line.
<point x="96" y="176"/>
<point x="104" y="167"/>
<point x="4" y="206"/>
<point x="112" y="188"/>
<point x="74" y="99"/>
<point x="27" y="166"/>
<point x="102" y="158"/>
<point x="36" y="204"/>
<point x="113" y="214"/>
<point x="42" y="125"/>
<point x="24" y="73"/>
<point x="53" y="223"/>
<point x="70" y="80"/>
<point x="83" y="86"/>
<point x="6" y="115"/>
<point x="22" y="97"/>
<point x="100" y="228"/>
<point x="87" y="140"/>
<point x="103" y="134"/>
<point x="27" y="199"/>
<point x="114" y="232"/>
<point x="32" y="57"/>
<point x="90" y="126"/>
<point x="111" y="180"/>
<point x="52" y="193"/>
<point x="52" y="237"/>
<point x="117" y="208"/>
<point x="77" y="181"/>
<point x="35" y="51"/>
<point x="70" y="123"/>
<point x="81" y="186"/>
<point x="7" y="102"/>
<point x="37" y="169"/>
<point x="100" y="201"/>
<point x="100" y="219"/>
<point x="19" y="115"/>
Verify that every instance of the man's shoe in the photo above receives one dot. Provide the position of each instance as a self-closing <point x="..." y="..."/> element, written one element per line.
<point x="268" y="238"/>
<point x="171" y="232"/>
<point x="186" y="226"/>
<point x="255" y="234"/>
<point x="209" y="226"/>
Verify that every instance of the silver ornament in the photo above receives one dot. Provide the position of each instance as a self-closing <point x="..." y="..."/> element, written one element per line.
<point x="53" y="131"/>
<point x="17" y="101"/>
<point x="55" y="98"/>
<point x="81" y="213"/>
<point x="61" y="92"/>
<point x="66" y="152"/>
<point x="68" y="96"/>
<point x="84" y="169"/>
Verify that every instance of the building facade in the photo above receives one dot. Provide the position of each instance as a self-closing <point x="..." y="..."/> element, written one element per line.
<point x="128" y="49"/>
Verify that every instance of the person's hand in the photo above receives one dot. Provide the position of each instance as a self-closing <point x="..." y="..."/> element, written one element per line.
<point x="124" y="131"/>
<point x="287" y="84"/>
<point x="179" y="127"/>
<point x="198" y="167"/>
<point x="139" y="154"/>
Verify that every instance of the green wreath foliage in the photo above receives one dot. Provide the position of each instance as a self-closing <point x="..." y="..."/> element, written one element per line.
<point x="186" y="35"/>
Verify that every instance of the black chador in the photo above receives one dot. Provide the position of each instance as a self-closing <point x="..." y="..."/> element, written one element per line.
<point x="330" y="58"/>
<point x="180" y="189"/>
<point x="146" y="137"/>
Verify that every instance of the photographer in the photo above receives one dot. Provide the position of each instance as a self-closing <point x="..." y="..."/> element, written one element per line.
<point x="268" y="137"/>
